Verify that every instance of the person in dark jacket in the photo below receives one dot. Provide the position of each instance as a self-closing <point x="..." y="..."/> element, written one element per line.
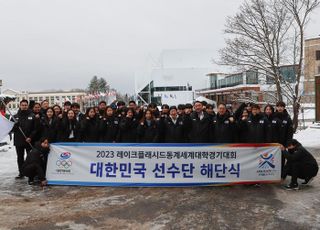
<point x="300" y="164"/>
<point x="36" y="109"/>
<point x="128" y="128"/>
<point x="273" y="125"/>
<point x="188" y="109"/>
<point x="35" y="164"/>
<point x="102" y="108"/>
<point x="25" y="131"/>
<point x="199" y="125"/>
<point x="44" y="107"/>
<point x="164" y="111"/>
<point x="68" y="128"/>
<point x="48" y="126"/>
<point x="254" y="128"/>
<point x="286" y="129"/>
<point x="154" y="109"/>
<point x="239" y="111"/>
<point x="172" y="129"/>
<point x="224" y="126"/>
<point x="76" y="109"/>
<point x="109" y="127"/>
<point x="148" y="129"/>
<point x="57" y="111"/>
<point x="241" y="132"/>
<point x="210" y="111"/>
<point x="89" y="127"/>
<point x="138" y="111"/>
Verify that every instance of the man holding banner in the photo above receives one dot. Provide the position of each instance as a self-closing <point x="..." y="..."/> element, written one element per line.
<point x="24" y="132"/>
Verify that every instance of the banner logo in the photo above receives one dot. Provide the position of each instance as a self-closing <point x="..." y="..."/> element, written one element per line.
<point x="64" y="161"/>
<point x="266" y="160"/>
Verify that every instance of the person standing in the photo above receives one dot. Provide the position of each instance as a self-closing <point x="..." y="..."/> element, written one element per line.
<point x="199" y="125"/>
<point x="254" y="128"/>
<point x="128" y="128"/>
<point x="109" y="127"/>
<point x="90" y="126"/>
<point x="148" y="129"/>
<point x="286" y="128"/>
<point x="24" y="132"/>
<point x="172" y="128"/>
<point x="68" y="128"/>
<point x="224" y="126"/>
<point x="273" y="125"/>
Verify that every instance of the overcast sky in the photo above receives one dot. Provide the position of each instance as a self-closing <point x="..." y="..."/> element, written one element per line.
<point x="61" y="44"/>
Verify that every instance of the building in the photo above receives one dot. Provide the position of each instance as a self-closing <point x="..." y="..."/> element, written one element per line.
<point x="174" y="77"/>
<point x="312" y="74"/>
<point x="54" y="97"/>
<point x="311" y="68"/>
<point x="245" y="86"/>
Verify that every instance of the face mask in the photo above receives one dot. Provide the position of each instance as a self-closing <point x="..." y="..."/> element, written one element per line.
<point x="291" y="151"/>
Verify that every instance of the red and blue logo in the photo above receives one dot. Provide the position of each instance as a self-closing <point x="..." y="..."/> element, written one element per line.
<point x="65" y="155"/>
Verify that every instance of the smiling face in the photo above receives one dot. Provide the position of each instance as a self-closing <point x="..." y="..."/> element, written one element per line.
<point x="24" y="106"/>
<point x="109" y="112"/>
<point x="92" y="113"/>
<point x="36" y="108"/>
<point x="57" y="110"/>
<point x="198" y="107"/>
<point x="268" y="111"/>
<point x="173" y="113"/>
<point x="50" y="113"/>
<point x="70" y="115"/>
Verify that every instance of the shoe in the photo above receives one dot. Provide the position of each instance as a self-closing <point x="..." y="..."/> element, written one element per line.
<point x="307" y="181"/>
<point x="19" y="177"/>
<point x="30" y="181"/>
<point x="292" y="187"/>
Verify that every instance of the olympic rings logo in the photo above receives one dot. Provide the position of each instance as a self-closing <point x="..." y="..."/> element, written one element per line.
<point x="64" y="164"/>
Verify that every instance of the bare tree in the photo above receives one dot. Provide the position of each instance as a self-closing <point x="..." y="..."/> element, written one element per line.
<point x="257" y="39"/>
<point x="300" y="11"/>
<point x="268" y="34"/>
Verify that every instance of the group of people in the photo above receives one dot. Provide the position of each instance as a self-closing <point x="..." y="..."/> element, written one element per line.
<point x="121" y="123"/>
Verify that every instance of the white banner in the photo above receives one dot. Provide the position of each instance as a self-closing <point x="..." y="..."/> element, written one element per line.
<point x="5" y="127"/>
<point x="97" y="164"/>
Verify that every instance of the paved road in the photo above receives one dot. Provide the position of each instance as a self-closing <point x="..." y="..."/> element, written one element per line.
<point x="238" y="207"/>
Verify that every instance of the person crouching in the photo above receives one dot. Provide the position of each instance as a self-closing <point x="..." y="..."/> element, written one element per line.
<point x="300" y="164"/>
<point x="35" y="165"/>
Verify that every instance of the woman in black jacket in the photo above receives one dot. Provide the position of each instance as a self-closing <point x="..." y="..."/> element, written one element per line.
<point x="273" y="125"/>
<point x="90" y="126"/>
<point x="148" y="128"/>
<point x="48" y="126"/>
<point x="128" y="128"/>
<point x="109" y="127"/>
<point x="36" y="162"/>
<point x="68" y="128"/>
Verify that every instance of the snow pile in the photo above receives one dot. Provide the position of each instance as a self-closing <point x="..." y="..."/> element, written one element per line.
<point x="309" y="137"/>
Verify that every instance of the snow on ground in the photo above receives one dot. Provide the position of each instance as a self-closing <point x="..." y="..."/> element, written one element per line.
<point x="309" y="137"/>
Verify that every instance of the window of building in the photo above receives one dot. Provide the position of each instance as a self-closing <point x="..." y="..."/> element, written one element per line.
<point x="252" y="77"/>
<point x="318" y="69"/>
<point x="318" y="55"/>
